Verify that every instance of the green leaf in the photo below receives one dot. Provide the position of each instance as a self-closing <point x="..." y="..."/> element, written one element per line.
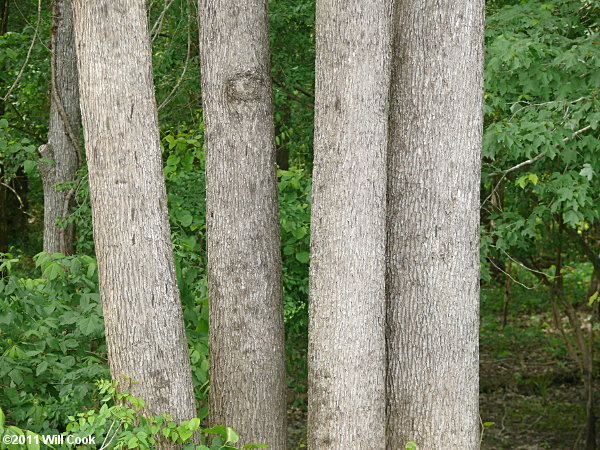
<point x="41" y="368"/>
<point x="299" y="233"/>
<point x="217" y="429"/>
<point x="194" y="424"/>
<point x="90" y="325"/>
<point x="587" y="171"/>
<point x="46" y="160"/>
<point x="53" y="271"/>
<point x="488" y="424"/>
<point x="303" y="257"/>
<point x="573" y="217"/>
<point x="29" y="166"/>
<point x="255" y="446"/>
<point x="16" y="376"/>
<point x="533" y="178"/>
<point x="593" y="298"/>
<point x="184" y="432"/>
<point x="91" y="270"/>
<point x="231" y="435"/>
<point x="184" y="218"/>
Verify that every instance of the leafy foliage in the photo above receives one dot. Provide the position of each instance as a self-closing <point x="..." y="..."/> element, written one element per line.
<point x="541" y="106"/>
<point x="119" y="423"/>
<point x="52" y="341"/>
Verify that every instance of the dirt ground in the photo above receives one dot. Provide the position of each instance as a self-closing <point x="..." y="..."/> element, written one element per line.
<point x="535" y="403"/>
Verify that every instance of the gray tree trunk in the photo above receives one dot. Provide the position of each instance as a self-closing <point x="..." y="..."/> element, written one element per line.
<point x="142" y="311"/>
<point x="433" y="224"/>
<point x="346" y="397"/>
<point x="63" y="133"/>
<point x="247" y="370"/>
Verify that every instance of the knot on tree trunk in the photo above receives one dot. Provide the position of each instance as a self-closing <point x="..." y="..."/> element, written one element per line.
<point x="45" y="168"/>
<point x="246" y="86"/>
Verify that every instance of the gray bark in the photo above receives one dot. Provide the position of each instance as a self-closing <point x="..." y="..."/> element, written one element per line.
<point x="63" y="133"/>
<point x="142" y="311"/>
<point x="346" y="397"/>
<point x="433" y="224"/>
<point x="244" y="262"/>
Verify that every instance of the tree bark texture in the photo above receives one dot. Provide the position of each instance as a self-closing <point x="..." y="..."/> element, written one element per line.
<point x="247" y="371"/>
<point x="63" y="133"/>
<point x="346" y="398"/>
<point x="433" y="224"/>
<point x="142" y="312"/>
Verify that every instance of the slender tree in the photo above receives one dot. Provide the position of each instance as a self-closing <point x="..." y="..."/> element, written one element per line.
<point x="144" y="327"/>
<point x="63" y="133"/>
<point x="346" y="397"/>
<point x="433" y="224"/>
<point x="244" y="262"/>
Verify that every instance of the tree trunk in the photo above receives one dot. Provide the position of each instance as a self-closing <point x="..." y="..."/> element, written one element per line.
<point x="142" y="312"/>
<point x="506" y="294"/>
<point x="247" y="371"/>
<point x="590" y="426"/>
<point x="346" y="398"/>
<point x="63" y="133"/>
<point x="433" y="224"/>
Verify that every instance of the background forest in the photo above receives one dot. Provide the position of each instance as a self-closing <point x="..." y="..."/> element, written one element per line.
<point x="540" y="222"/>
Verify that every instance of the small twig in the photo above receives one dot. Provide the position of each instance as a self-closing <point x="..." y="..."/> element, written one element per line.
<point x="527" y="163"/>
<point x="518" y="262"/>
<point x="158" y="24"/>
<point x="35" y="33"/>
<point x="187" y="60"/>
<point x="28" y="131"/>
<point x="294" y="96"/>
<point x="522" y="164"/>
<point x="509" y="276"/>
<point x="577" y="133"/>
<point x="529" y="105"/>
<point x="112" y="438"/>
<point x="21" y="204"/>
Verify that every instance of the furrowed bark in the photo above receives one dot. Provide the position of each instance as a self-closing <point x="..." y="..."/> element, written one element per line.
<point x="346" y="398"/>
<point x="433" y="224"/>
<point x="63" y="133"/>
<point x="142" y="311"/>
<point x="247" y="371"/>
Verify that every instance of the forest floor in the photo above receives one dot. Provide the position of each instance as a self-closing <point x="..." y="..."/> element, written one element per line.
<point x="529" y="389"/>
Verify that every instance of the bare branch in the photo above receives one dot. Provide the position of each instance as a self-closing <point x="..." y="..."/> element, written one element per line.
<point x="158" y="24"/>
<point x="187" y="60"/>
<point x="35" y="33"/>
<point x="21" y="204"/>
<point x="509" y="275"/>
<point x="23" y="129"/>
<point x="527" y="163"/>
<point x="519" y="263"/>
<point x="294" y="96"/>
